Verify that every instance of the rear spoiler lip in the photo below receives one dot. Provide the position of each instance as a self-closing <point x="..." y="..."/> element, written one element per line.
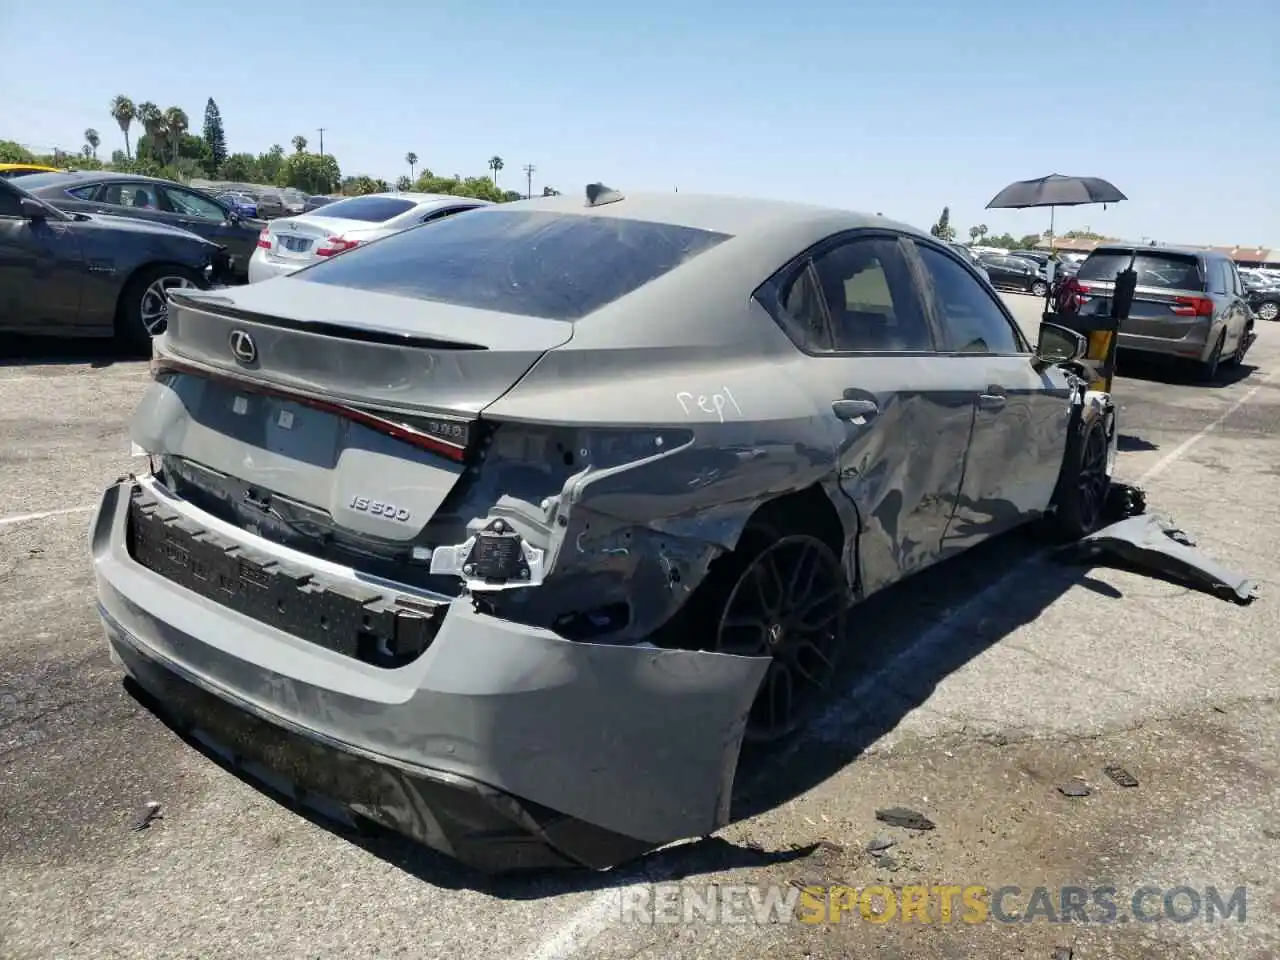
<point x="377" y="420"/>
<point x="223" y="307"/>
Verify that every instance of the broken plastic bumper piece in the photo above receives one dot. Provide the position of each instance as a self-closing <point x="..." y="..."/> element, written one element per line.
<point x="500" y="744"/>
<point x="1156" y="544"/>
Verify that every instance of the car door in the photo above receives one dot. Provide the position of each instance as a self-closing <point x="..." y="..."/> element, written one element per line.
<point x="213" y="221"/>
<point x="41" y="270"/>
<point x="900" y="431"/>
<point x="1021" y="414"/>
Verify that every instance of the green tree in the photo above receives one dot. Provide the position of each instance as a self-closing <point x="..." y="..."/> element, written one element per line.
<point x="123" y="113"/>
<point x="299" y="144"/>
<point x="1085" y="234"/>
<point x="152" y="121"/>
<point x="973" y="234"/>
<point x="176" y="124"/>
<point x="214" y="135"/>
<point x="983" y="230"/>
<point x="91" y="140"/>
<point x="495" y="164"/>
<point x="403" y="183"/>
<point x="943" y="229"/>
<point x="13" y="152"/>
<point x="270" y="163"/>
<point x="411" y="159"/>
<point x="510" y="196"/>
<point x="240" y="168"/>
<point x="310" y="172"/>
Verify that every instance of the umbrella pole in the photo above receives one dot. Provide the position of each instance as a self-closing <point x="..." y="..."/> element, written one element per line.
<point x="1048" y="294"/>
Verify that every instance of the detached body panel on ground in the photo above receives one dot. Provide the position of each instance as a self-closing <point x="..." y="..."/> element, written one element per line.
<point x="470" y="521"/>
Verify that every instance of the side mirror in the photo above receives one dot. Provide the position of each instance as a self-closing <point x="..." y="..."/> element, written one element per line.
<point x="1059" y="345"/>
<point x="33" y="210"/>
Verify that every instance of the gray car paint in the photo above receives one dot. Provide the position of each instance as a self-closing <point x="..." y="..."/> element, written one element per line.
<point x="744" y="418"/>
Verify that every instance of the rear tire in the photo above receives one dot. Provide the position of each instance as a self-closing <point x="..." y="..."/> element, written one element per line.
<point x="1039" y="288"/>
<point x="143" y="311"/>
<point x="778" y="594"/>
<point x="1207" y="371"/>
<point x="1268" y="310"/>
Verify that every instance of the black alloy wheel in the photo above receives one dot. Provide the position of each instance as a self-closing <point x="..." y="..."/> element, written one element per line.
<point x="790" y="603"/>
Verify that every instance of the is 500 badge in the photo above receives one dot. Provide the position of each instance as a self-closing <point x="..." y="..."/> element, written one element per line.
<point x="379" y="509"/>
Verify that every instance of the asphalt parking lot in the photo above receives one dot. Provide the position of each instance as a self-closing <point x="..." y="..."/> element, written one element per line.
<point x="975" y="690"/>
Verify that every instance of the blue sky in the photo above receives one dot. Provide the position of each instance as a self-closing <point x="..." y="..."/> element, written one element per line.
<point x="897" y="107"/>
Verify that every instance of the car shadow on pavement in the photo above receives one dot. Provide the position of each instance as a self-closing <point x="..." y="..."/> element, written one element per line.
<point x="1167" y="370"/>
<point x="21" y="351"/>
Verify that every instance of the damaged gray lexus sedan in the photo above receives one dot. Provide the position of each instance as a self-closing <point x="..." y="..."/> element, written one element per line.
<point x="505" y="532"/>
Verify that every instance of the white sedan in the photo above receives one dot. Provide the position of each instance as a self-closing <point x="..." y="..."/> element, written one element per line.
<point x="291" y="243"/>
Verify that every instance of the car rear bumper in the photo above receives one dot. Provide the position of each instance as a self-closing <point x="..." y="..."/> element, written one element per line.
<point x="261" y="268"/>
<point x="502" y="745"/>
<point x="1194" y="346"/>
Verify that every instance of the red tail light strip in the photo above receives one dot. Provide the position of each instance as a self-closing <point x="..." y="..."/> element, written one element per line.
<point x="399" y="431"/>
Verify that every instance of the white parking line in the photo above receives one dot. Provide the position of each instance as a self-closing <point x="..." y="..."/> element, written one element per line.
<point x="1161" y="465"/>
<point x="599" y="913"/>
<point x="26" y="517"/>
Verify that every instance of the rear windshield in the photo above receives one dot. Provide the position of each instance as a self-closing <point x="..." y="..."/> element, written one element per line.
<point x="535" y="264"/>
<point x="369" y="209"/>
<point x="1171" y="270"/>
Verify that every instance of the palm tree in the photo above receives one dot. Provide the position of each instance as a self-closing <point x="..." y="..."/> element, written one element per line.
<point x="974" y="232"/>
<point x="123" y="112"/>
<point x="495" y="164"/>
<point x="92" y="140"/>
<point x="299" y="143"/>
<point x="983" y="230"/>
<point x="152" y="121"/>
<point x="411" y="159"/>
<point x="176" y="125"/>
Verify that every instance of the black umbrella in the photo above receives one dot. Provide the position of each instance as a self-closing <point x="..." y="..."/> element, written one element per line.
<point x="1056" y="190"/>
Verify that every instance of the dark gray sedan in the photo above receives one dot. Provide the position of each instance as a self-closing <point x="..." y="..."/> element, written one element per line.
<point x="85" y="275"/>
<point x="504" y="530"/>
<point x="159" y="201"/>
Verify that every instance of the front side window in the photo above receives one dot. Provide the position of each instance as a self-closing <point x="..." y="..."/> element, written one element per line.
<point x="191" y="205"/>
<point x="971" y="316"/>
<point x="527" y="263"/>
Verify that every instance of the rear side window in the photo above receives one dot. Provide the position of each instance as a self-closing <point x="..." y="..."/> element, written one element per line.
<point x="535" y="264"/>
<point x="1170" y="270"/>
<point x="368" y="209"/>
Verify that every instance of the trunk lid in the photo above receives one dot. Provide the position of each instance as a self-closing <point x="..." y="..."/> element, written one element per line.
<point x="348" y="430"/>
<point x="296" y="239"/>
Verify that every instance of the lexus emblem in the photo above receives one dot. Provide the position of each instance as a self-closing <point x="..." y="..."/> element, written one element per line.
<point x="242" y="347"/>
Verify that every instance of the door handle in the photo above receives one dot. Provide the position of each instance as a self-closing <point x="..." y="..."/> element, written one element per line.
<point x="854" y="409"/>
<point x="991" y="401"/>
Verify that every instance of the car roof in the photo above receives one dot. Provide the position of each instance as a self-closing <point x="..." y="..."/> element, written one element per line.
<point x="1146" y="248"/>
<point x="724" y="213"/>
<point x="417" y="197"/>
<point x="29" y="166"/>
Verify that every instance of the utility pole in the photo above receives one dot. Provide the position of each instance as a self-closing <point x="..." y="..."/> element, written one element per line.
<point x="321" y="130"/>
<point x="528" y="180"/>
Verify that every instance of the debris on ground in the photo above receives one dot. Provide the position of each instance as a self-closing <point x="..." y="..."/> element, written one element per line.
<point x="150" y="813"/>
<point x="1063" y="953"/>
<point x="886" y="862"/>
<point x="1074" y="788"/>
<point x="1148" y="541"/>
<point x="1120" y="775"/>
<point x="880" y="844"/>
<point x="902" y="817"/>
<point x="1124" y="500"/>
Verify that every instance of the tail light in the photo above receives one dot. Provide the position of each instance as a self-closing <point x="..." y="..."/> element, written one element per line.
<point x="336" y="245"/>
<point x="1193" y="307"/>
<point x="264" y="238"/>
